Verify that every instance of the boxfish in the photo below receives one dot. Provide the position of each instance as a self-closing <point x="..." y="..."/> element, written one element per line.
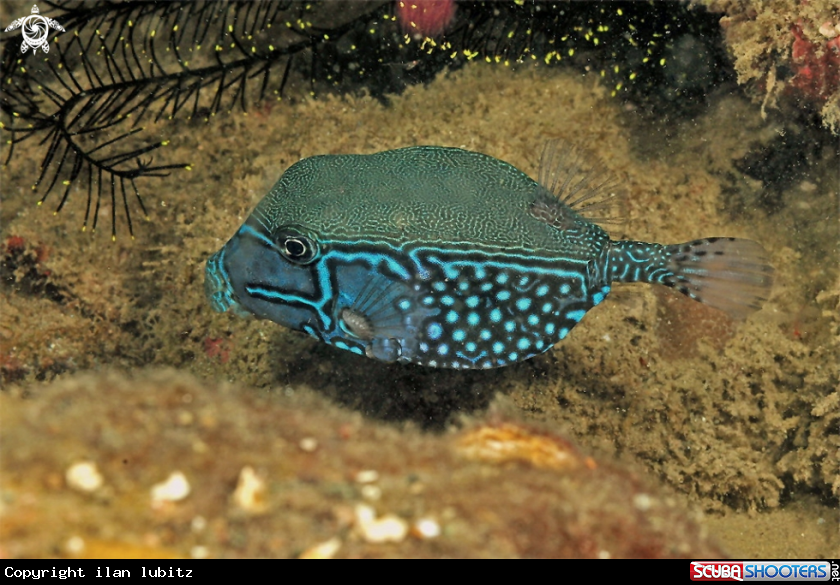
<point x="448" y="258"/>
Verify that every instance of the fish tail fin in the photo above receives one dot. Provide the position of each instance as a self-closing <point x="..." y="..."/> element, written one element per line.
<point x="730" y="274"/>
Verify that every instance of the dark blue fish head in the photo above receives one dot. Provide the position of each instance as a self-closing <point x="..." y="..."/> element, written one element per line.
<point x="254" y="275"/>
<point x="336" y="293"/>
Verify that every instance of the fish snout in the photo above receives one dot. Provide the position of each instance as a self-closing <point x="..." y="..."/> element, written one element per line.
<point x="217" y="287"/>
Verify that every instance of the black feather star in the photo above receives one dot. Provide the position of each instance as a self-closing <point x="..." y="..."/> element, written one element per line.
<point x="122" y="64"/>
<point x="125" y="63"/>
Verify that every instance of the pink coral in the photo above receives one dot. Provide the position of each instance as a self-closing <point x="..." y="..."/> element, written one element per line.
<point x="427" y="18"/>
<point x="816" y="66"/>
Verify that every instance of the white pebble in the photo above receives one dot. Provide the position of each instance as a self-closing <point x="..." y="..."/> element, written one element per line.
<point x="249" y="494"/>
<point x="388" y="528"/>
<point x="371" y="492"/>
<point x="75" y="545"/>
<point x="308" y="444"/>
<point x="173" y="489"/>
<point x="642" y="502"/>
<point x="367" y="476"/>
<point x="426" y="528"/>
<point x="198" y="524"/>
<point x="829" y="31"/>
<point x="84" y="477"/>
<point x="323" y="550"/>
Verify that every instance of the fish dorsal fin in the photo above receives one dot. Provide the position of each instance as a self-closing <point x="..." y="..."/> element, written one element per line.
<point x="583" y="184"/>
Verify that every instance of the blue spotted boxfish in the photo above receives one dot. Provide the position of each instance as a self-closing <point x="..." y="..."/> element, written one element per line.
<point x="454" y="259"/>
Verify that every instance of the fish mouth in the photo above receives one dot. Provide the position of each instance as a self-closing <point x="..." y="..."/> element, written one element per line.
<point x="217" y="287"/>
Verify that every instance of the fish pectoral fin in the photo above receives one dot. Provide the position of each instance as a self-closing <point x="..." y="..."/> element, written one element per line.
<point x="386" y="350"/>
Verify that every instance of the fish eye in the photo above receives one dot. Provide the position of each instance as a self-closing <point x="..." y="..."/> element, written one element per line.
<point x="295" y="248"/>
<point x="298" y="248"/>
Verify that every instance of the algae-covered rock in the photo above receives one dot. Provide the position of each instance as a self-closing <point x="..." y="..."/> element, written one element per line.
<point x="172" y="452"/>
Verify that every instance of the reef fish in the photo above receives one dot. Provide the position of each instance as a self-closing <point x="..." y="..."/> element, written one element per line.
<point x="449" y="258"/>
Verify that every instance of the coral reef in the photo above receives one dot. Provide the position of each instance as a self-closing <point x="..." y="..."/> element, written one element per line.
<point x="739" y="421"/>
<point x="787" y="52"/>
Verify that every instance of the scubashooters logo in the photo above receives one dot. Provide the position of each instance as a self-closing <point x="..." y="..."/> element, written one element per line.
<point x="36" y="28"/>
<point x="763" y="571"/>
